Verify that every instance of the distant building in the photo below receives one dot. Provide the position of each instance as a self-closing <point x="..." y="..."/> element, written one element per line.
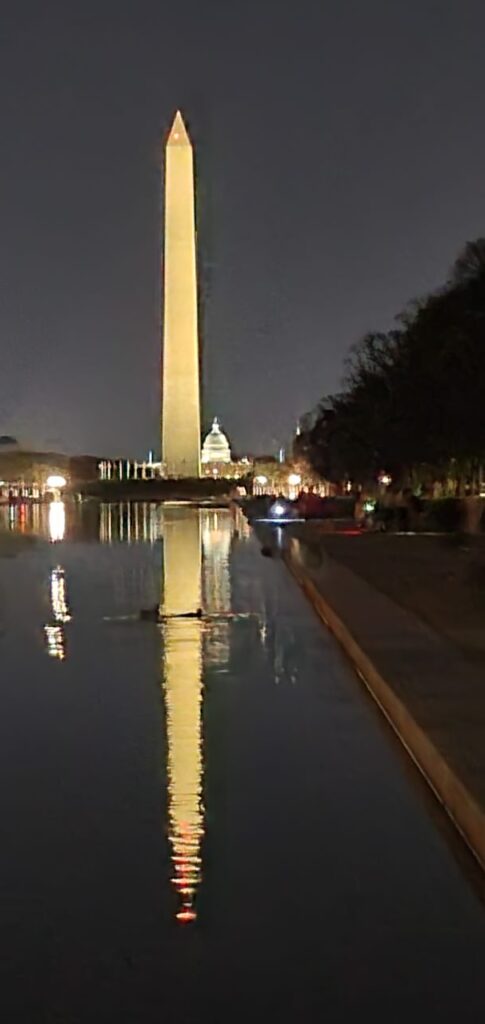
<point x="216" y="456"/>
<point x="216" y="448"/>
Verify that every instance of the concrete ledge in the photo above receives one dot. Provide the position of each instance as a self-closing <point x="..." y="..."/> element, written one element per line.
<point x="462" y="806"/>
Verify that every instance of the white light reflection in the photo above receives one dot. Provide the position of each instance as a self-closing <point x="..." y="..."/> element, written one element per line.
<point x="129" y="522"/>
<point x="58" y="596"/>
<point x="57" y="521"/>
<point x="55" y="641"/>
<point x="217" y="531"/>
<point x="54" y="631"/>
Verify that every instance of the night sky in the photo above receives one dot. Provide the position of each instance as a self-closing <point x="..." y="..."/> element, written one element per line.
<point x="341" y="165"/>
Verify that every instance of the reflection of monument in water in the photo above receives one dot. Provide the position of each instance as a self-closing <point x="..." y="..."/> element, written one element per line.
<point x="182" y="682"/>
<point x="196" y="547"/>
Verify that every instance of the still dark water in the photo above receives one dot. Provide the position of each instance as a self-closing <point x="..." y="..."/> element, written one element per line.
<point x="205" y="821"/>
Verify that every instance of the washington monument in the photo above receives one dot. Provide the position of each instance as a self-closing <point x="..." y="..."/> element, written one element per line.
<point x="180" y="371"/>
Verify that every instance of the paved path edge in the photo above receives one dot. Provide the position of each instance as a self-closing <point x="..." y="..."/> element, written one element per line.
<point x="466" y="813"/>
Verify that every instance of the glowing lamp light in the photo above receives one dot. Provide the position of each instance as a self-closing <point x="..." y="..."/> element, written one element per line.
<point x="56" y="481"/>
<point x="294" y="479"/>
<point x="261" y="480"/>
<point x="278" y="510"/>
<point x="385" y="479"/>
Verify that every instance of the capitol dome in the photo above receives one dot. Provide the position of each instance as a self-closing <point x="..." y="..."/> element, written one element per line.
<point x="216" y="446"/>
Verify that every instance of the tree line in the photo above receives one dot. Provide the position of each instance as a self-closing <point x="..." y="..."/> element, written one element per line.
<point x="413" y="398"/>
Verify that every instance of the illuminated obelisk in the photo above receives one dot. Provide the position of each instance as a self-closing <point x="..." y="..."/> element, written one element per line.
<point x="180" y="373"/>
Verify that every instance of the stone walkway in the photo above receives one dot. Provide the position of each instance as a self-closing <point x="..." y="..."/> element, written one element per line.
<point x="432" y="695"/>
<point x="438" y="577"/>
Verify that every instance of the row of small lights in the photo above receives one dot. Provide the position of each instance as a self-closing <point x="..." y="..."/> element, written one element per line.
<point x="55" y="482"/>
<point x="294" y="479"/>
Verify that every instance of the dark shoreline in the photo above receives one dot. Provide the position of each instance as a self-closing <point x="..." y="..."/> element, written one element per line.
<point x="159" y="490"/>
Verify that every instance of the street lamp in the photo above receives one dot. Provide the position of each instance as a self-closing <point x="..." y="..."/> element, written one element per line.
<point x="261" y="480"/>
<point x="56" y="482"/>
<point x="385" y="479"/>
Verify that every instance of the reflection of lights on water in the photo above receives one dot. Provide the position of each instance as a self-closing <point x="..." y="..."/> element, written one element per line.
<point x="242" y="527"/>
<point x="54" y="631"/>
<point x="57" y="521"/>
<point x="55" y="640"/>
<point x="217" y="532"/>
<point x="58" y="596"/>
<point x="128" y="522"/>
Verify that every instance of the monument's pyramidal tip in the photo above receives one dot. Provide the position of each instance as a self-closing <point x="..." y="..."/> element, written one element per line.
<point x="178" y="135"/>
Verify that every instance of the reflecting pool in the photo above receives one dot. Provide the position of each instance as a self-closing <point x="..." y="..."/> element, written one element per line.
<point x="203" y="817"/>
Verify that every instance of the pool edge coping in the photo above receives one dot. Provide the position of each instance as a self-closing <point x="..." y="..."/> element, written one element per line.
<point x="466" y="813"/>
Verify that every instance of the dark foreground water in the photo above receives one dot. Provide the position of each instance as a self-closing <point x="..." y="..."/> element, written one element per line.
<point x="205" y="821"/>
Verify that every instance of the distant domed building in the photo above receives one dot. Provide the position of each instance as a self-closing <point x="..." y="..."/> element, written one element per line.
<point x="216" y="448"/>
